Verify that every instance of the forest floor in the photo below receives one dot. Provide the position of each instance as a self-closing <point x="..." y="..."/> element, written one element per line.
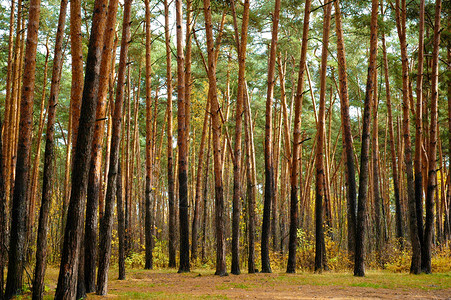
<point x="202" y="284"/>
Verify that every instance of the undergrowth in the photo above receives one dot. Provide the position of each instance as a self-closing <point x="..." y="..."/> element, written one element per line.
<point x="395" y="256"/>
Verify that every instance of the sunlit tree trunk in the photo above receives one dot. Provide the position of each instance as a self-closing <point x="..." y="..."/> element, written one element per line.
<point x="347" y="134"/>
<point x="94" y="177"/>
<point x="415" y="266"/>
<point x="269" y="162"/>
<point x="295" y="160"/>
<point x="205" y="197"/>
<point x="237" y="189"/>
<point x="432" y="155"/>
<point x="216" y="130"/>
<point x="19" y="202"/>
<point x="419" y="142"/>
<point x="47" y="192"/>
<point x="378" y="200"/>
<point x="8" y="111"/>
<point x="106" y="224"/>
<point x="3" y="213"/>
<point x="398" y="209"/>
<point x="251" y="183"/>
<point x="67" y="279"/>
<point x="359" y="262"/>
<point x="37" y="158"/>
<point x="170" y="172"/>
<point x="320" y="128"/>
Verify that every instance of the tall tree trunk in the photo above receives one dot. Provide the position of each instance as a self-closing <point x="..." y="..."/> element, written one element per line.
<point x="106" y="224"/>
<point x="447" y="222"/>
<point x="120" y="224"/>
<point x="251" y="183"/>
<point x="216" y="125"/>
<point x="150" y="134"/>
<point x="415" y="266"/>
<point x="432" y="155"/>
<point x="15" y="95"/>
<point x="320" y="128"/>
<point x="359" y="262"/>
<point x="347" y="133"/>
<point x="19" y="200"/>
<point x="126" y="162"/>
<point x="237" y="190"/>
<point x="269" y="163"/>
<point x="3" y="209"/>
<point x="419" y="133"/>
<point x="378" y="200"/>
<point x="205" y="197"/>
<point x="188" y="77"/>
<point x="94" y="177"/>
<point x="170" y="171"/>
<point x="47" y="192"/>
<point x="398" y="209"/>
<point x="76" y="46"/>
<point x="194" y="236"/>
<point x="67" y="279"/>
<point x="37" y="159"/>
<point x="8" y="111"/>
<point x="182" y="146"/>
<point x="295" y="161"/>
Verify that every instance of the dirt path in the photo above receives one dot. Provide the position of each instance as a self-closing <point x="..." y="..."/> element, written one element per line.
<point x="145" y="285"/>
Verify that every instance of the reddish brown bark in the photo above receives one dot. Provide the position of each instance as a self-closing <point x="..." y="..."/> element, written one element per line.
<point x="359" y="261"/>
<point x="295" y="160"/>
<point x="237" y="190"/>
<point x="347" y="134"/>
<point x="415" y="266"/>
<point x="106" y="224"/>
<point x="269" y="162"/>
<point x="216" y="130"/>
<point x="19" y="203"/>
<point x="432" y="155"/>
<point x="94" y="177"/>
<point x="47" y="193"/>
<point x="320" y="129"/>
<point x="67" y="279"/>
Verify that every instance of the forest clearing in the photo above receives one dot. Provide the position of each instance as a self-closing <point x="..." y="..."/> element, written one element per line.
<point x="225" y="149"/>
<point x="202" y="284"/>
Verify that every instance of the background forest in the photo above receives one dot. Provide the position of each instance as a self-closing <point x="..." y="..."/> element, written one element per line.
<point x="286" y="134"/>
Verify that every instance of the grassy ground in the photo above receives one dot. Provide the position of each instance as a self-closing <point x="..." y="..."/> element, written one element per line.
<point x="202" y="284"/>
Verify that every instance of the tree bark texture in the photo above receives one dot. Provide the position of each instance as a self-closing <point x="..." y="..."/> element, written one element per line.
<point x="149" y="145"/>
<point x="415" y="266"/>
<point x="433" y="140"/>
<point x="106" y="223"/>
<point x="269" y="162"/>
<point x="216" y="132"/>
<point x="19" y="201"/>
<point x="297" y="135"/>
<point x="67" y="279"/>
<point x="237" y="189"/>
<point x="320" y="129"/>
<point x="170" y="172"/>
<point x="359" y="261"/>
<point x="47" y="193"/>
<point x="94" y="177"/>
<point x="182" y="146"/>
<point x="347" y="134"/>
